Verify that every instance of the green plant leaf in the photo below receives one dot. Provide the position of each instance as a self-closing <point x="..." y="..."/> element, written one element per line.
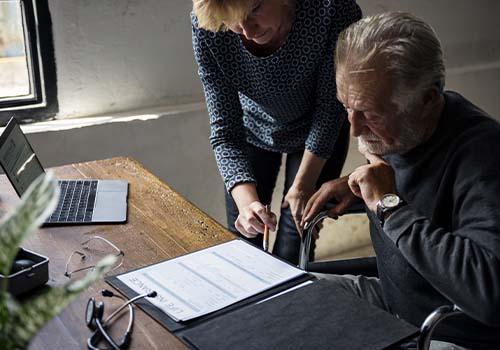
<point x="102" y="266"/>
<point x="20" y="322"/>
<point x="37" y="203"/>
<point x="27" y="319"/>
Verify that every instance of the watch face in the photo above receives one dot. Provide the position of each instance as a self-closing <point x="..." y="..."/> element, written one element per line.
<point x="390" y="200"/>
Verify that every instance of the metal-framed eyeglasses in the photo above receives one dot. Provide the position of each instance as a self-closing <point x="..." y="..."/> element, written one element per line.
<point x="113" y="249"/>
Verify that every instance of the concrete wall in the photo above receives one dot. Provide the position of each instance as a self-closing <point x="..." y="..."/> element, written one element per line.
<point x="173" y="147"/>
<point x="471" y="40"/>
<point x="116" y="55"/>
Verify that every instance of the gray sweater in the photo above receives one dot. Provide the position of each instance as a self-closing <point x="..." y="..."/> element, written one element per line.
<point x="444" y="247"/>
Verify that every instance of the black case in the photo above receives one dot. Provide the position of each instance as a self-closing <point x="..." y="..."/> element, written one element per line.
<point x="28" y="278"/>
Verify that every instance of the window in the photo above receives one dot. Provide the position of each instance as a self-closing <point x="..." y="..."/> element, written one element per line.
<point x="27" y="67"/>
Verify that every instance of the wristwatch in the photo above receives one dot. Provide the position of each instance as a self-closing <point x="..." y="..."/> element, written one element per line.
<point x="388" y="204"/>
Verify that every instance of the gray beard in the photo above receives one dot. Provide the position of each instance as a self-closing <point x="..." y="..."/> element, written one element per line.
<point x="412" y="133"/>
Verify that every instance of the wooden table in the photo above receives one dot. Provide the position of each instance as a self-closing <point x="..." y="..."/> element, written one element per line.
<point x="161" y="225"/>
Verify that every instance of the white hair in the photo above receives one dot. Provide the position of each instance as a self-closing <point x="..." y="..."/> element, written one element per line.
<point x="399" y="45"/>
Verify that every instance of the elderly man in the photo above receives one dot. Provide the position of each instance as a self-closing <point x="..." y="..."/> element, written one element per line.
<point x="432" y="184"/>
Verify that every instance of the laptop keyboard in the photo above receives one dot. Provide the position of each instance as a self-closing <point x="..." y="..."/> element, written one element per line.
<point x="76" y="203"/>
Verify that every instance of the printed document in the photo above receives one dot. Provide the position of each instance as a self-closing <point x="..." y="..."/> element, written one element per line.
<point x="196" y="284"/>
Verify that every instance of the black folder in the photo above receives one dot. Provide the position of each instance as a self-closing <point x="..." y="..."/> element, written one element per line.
<point x="315" y="316"/>
<point x="175" y="326"/>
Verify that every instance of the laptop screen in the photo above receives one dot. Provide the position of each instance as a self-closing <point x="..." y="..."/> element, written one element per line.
<point x="17" y="158"/>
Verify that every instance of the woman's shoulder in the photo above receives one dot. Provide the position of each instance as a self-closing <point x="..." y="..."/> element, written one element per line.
<point x="195" y="26"/>
<point x="204" y="34"/>
<point x="332" y="9"/>
<point x="328" y="5"/>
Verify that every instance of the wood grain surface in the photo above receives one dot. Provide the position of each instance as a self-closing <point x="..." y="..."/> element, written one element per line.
<point x="161" y="225"/>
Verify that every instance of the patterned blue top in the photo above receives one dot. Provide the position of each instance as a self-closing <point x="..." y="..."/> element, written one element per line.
<point x="283" y="102"/>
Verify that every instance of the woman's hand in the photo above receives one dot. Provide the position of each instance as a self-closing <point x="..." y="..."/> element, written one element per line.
<point x="252" y="213"/>
<point x="296" y="199"/>
<point x="334" y="190"/>
<point x="303" y="186"/>
<point x="252" y="218"/>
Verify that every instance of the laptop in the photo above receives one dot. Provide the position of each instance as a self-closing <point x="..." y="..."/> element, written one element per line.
<point x="83" y="201"/>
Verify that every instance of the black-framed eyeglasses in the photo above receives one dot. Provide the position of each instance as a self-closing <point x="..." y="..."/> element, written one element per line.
<point x="84" y="257"/>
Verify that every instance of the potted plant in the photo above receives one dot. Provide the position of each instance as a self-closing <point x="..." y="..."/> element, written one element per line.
<point x="19" y="322"/>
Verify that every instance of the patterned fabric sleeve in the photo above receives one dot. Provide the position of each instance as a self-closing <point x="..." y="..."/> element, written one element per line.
<point x="329" y="113"/>
<point x="227" y="133"/>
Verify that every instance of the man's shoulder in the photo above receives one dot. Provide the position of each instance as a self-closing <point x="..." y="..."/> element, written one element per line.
<point x="475" y="135"/>
<point x="463" y="115"/>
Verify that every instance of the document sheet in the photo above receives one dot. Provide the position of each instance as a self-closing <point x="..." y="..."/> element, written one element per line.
<point x="196" y="284"/>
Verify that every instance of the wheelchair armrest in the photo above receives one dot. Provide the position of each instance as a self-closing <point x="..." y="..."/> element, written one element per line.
<point x="307" y="235"/>
<point x="357" y="266"/>
<point x="430" y="323"/>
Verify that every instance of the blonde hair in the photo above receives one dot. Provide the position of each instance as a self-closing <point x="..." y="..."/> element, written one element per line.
<point x="403" y="46"/>
<point x="213" y="15"/>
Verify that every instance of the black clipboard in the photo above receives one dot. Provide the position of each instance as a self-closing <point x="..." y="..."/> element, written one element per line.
<point x="226" y="327"/>
<point x="175" y="326"/>
<point x="317" y="316"/>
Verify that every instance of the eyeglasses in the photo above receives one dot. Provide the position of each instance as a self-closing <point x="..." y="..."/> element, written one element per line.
<point x="91" y="245"/>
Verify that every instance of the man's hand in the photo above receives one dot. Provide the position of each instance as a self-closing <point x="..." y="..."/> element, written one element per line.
<point x="337" y="190"/>
<point x="251" y="220"/>
<point x="296" y="199"/>
<point x="370" y="182"/>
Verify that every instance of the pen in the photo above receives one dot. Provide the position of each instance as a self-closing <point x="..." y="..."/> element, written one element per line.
<point x="265" y="242"/>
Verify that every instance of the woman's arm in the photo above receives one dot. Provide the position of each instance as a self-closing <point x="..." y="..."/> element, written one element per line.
<point x="329" y="114"/>
<point x="309" y="170"/>
<point x="327" y="119"/>
<point x="303" y="185"/>
<point x="228" y="138"/>
<point x="227" y="133"/>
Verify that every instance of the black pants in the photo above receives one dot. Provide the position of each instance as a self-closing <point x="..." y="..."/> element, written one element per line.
<point x="265" y="166"/>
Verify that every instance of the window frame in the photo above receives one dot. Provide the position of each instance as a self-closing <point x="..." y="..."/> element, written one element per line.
<point x="42" y="104"/>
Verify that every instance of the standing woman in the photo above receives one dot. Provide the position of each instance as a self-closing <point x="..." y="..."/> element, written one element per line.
<point x="267" y="70"/>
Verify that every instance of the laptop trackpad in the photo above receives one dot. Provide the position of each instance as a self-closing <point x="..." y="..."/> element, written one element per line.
<point x="110" y="206"/>
<point x="112" y="185"/>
